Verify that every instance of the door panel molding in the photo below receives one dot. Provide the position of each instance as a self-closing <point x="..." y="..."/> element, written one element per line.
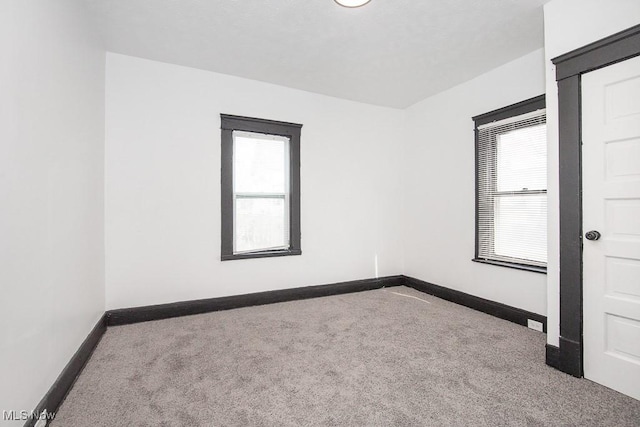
<point x="569" y="69"/>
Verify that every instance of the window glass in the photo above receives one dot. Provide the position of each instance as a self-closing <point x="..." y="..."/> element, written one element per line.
<point x="260" y="224"/>
<point x="521" y="227"/>
<point x="259" y="163"/>
<point x="522" y="159"/>
<point x="260" y="171"/>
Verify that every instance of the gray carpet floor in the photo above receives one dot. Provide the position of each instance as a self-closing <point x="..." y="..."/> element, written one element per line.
<point x="386" y="357"/>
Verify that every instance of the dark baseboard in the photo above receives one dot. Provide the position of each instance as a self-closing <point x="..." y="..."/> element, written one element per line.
<point x="570" y="357"/>
<point x="552" y="356"/>
<point x="503" y="311"/>
<point x="126" y="316"/>
<point x="58" y="391"/>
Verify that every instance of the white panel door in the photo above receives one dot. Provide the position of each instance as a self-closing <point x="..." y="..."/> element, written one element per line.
<point x="611" y="206"/>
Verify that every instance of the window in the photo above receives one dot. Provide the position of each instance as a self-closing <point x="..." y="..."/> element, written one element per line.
<point x="511" y="186"/>
<point x="260" y="188"/>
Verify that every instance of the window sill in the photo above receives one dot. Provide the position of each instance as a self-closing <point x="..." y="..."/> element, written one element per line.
<point x="266" y="254"/>
<point x="524" y="267"/>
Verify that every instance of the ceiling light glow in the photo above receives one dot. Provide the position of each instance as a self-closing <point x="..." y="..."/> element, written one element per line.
<point x="352" y="3"/>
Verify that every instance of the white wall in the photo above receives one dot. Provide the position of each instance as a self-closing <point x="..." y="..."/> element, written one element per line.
<point x="439" y="190"/>
<point x="571" y="24"/>
<point x="163" y="185"/>
<point x="51" y="192"/>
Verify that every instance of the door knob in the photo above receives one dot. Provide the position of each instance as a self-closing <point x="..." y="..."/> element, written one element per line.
<point x="592" y="235"/>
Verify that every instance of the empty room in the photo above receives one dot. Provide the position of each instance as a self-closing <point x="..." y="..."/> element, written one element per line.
<point x="319" y="213"/>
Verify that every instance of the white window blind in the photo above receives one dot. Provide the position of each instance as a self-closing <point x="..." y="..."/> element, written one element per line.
<point x="260" y="192"/>
<point x="512" y="190"/>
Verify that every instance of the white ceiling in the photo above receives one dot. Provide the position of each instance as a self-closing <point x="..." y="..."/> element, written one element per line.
<point x="389" y="52"/>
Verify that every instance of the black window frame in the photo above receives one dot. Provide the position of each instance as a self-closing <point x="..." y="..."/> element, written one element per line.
<point x="230" y="123"/>
<point x="524" y="107"/>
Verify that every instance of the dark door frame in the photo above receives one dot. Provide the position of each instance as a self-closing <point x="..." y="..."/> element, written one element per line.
<point x="569" y="70"/>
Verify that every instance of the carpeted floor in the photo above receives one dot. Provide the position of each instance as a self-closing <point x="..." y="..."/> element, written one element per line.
<point x="386" y="357"/>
